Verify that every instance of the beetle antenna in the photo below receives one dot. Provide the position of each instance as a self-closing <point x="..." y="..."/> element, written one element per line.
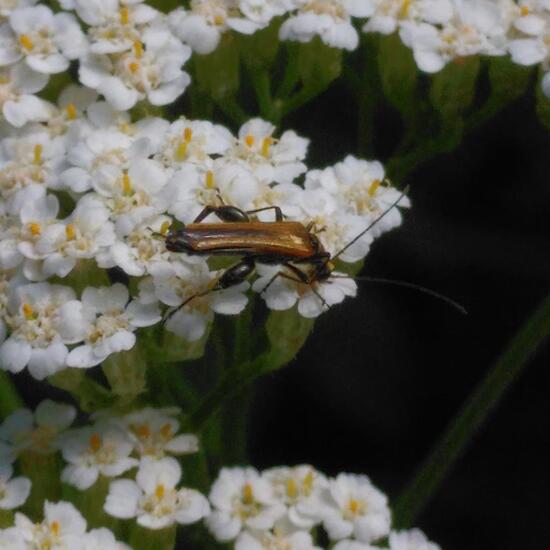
<point x="370" y="226"/>
<point x="424" y="290"/>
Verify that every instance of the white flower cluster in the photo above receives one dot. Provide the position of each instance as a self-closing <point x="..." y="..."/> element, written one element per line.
<point x="63" y="526"/>
<point x="131" y="51"/>
<point x="87" y="188"/>
<point x="112" y="447"/>
<point x="283" y="506"/>
<point x="279" y="508"/>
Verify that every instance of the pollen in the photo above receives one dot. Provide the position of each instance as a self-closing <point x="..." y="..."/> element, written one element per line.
<point x="26" y="41"/>
<point x="38" y="149"/>
<point x="248" y="494"/>
<point x="266" y="144"/>
<point x="188" y="134"/>
<point x="35" y="229"/>
<point x="159" y="491"/>
<point x="291" y="488"/>
<point x="405" y="7"/>
<point x="124" y="16"/>
<point x="181" y="150"/>
<point x="134" y="67"/>
<point x="308" y="480"/>
<point x="70" y="232"/>
<point x="95" y="442"/>
<point x="356" y="507"/>
<point x="143" y="431"/>
<point x="166" y="431"/>
<point x="249" y="140"/>
<point x="55" y="528"/>
<point x="28" y="312"/>
<point x="374" y="187"/>
<point x="71" y="111"/>
<point x="210" y="182"/>
<point x="126" y="184"/>
<point x="165" y="227"/>
<point x="138" y="49"/>
<point x="524" y="10"/>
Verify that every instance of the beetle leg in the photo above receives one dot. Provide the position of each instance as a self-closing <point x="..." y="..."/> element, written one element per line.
<point x="232" y="276"/>
<point x="225" y="213"/>
<point x="279" y="216"/>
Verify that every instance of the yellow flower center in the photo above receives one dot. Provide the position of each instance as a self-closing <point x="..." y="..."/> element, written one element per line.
<point x="249" y="140"/>
<point x="126" y="184"/>
<point x="373" y="187"/>
<point x="95" y="443"/>
<point x="71" y="111"/>
<point x="28" y="312"/>
<point x="160" y="491"/>
<point x="35" y="229"/>
<point x="37" y="152"/>
<point x="70" y="231"/>
<point x="124" y="15"/>
<point x="248" y="494"/>
<point x="138" y="49"/>
<point x="26" y="41"/>
<point x="266" y="143"/>
<point x="210" y="182"/>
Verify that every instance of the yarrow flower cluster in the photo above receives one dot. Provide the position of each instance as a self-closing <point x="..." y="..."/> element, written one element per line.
<point x="282" y="507"/>
<point x="130" y="51"/>
<point x="88" y="189"/>
<point x="278" y="508"/>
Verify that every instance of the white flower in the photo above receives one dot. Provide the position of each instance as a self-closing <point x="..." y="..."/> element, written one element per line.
<point x="81" y="236"/>
<point x="330" y="19"/>
<point x="12" y="539"/>
<point x="194" y="141"/>
<point x="202" y="26"/>
<point x="270" y="159"/>
<point x="192" y="188"/>
<point x="242" y="499"/>
<point x="38" y="432"/>
<point x="13" y="492"/>
<point x="152" y="70"/>
<point x="63" y="527"/>
<point x="43" y="319"/>
<point x="313" y="299"/>
<point x="262" y="540"/>
<point x="46" y="41"/>
<point x="478" y="27"/>
<point x="355" y="507"/>
<point x="29" y="159"/>
<point x="154" y="499"/>
<point x="138" y="249"/>
<point x="101" y="449"/>
<point x="348" y="544"/>
<point x="299" y="488"/>
<point x="156" y="434"/>
<point x="18" y="83"/>
<point x="102" y="539"/>
<point x="7" y="6"/>
<point x="411" y="540"/>
<point x="360" y="188"/>
<point x="178" y="282"/>
<point x="110" y="324"/>
<point x="388" y="15"/>
<point x="114" y="26"/>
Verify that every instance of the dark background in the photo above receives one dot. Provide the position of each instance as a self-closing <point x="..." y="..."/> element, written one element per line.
<point x="382" y="374"/>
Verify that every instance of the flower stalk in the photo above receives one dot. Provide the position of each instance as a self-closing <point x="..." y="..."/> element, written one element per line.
<point x="477" y="408"/>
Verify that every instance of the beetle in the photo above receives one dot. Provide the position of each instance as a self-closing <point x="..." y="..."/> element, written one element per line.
<point x="286" y="243"/>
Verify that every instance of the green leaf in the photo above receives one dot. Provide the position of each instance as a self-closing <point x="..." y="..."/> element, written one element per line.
<point x="217" y="74"/>
<point x="508" y="79"/>
<point x="398" y="73"/>
<point x="258" y="50"/>
<point x="90" y="395"/>
<point x="9" y="398"/>
<point x="163" y="346"/>
<point x="453" y="89"/>
<point x="318" y="64"/>
<point x="287" y="332"/>
<point x="126" y="373"/>
<point x="86" y="273"/>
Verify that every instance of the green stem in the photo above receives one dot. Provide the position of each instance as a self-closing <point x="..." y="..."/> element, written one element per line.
<point x="474" y="412"/>
<point x="232" y="110"/>
<point x="262" y="86"/>
<point x="9" y="398"/>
